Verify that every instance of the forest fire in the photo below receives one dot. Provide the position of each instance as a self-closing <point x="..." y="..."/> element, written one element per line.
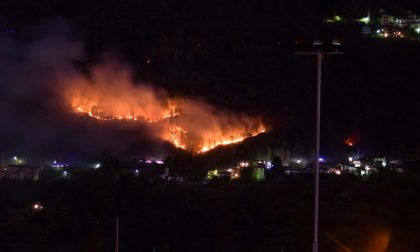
<point x="109" y="94"/>
<point x="179" y="129"/>
<point x="232" y="140"/>
<point x="86" y="107"/>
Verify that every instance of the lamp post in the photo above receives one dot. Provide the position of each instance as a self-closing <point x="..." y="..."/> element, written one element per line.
<point x="117" y="233"/>
<point x="318" y="48"/>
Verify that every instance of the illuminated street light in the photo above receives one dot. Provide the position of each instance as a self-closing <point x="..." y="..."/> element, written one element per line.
<point x="65" y="174"/>
<point x="36" y="207"/>
<point x="365" y="20"/>
<point x="320" y="50"/>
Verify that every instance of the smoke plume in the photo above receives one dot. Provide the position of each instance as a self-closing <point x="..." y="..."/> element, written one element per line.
<point x="49" y="105"/>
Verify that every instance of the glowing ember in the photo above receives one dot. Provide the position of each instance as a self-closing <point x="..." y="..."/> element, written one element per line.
<point x="351" y="141"/>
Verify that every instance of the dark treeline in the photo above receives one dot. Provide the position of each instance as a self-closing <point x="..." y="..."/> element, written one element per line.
<point x="79" y="215"/>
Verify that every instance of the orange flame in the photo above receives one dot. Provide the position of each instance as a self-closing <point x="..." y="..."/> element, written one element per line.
<point x="87" y="107"/>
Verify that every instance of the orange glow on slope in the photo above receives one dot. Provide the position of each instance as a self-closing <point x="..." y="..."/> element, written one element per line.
<point x="181" y="139"/>
<point x="109" y="93"/>
<point x="239" y="137"/>
<point x="187" y="124"/>
<point x="120" y="110"/>
<point x="179" y="136"/>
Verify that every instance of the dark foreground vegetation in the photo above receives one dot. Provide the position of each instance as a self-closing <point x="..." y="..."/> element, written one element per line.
<point x="79" y="215"/>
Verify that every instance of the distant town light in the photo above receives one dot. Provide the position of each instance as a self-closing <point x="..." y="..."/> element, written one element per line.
<point x="244" y="164"/>
<point x="96" y="166"/>
<point x="212" y="174"/>
<point x="299" y="161"/>
<point x="350" y="159"/>
<point x="383" y="163"/>
<point x="365" y="20"/>
<point x="37" y="206"/>
<point x="15" y="158"/>
<point x="137" y="172"/>
<point x="321" y="159"/>
<point x="334" y="19"/>
<point x="418" y="29"/>
<point x="318" y="42"/>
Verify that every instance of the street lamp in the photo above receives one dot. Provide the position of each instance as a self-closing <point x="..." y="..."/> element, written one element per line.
<point x="318" y="47"/>
<point x="37" y="206"/>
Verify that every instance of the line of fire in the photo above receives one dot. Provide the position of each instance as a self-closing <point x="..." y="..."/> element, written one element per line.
<point x="176" y="130"/>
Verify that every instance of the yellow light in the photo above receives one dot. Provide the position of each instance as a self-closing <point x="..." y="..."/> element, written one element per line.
<point x="365" y="20"/>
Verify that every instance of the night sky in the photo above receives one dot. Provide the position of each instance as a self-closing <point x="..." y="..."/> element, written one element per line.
<point x="238" y="57"/>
